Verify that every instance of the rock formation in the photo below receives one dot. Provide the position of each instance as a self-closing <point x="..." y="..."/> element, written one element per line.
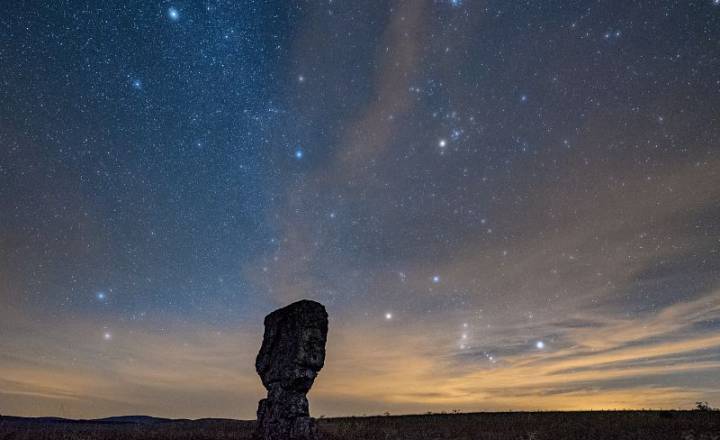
<point x="292" y="354"/>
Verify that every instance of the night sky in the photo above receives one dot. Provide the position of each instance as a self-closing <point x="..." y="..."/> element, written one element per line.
<point x="502" y="204"/>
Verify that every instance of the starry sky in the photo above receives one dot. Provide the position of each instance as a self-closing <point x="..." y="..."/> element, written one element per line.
<point x="503" y="205"/>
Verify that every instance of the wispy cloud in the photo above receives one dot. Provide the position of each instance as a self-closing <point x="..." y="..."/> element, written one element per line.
<point x="598" y="367"/>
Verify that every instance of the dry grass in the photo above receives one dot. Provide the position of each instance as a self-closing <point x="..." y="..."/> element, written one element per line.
<point x="619" y="425"/>
<point x="180" y="430"/>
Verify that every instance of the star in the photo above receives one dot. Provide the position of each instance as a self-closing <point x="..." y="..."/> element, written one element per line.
<point x="173" y="13"/>
<point x="178" y="201"/>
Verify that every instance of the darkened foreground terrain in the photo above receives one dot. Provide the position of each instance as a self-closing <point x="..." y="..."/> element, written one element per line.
<point x="619" y="425"/>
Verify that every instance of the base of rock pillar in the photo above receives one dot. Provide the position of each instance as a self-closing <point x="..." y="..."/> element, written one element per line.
<point x="302" y="428"/>
<point x="274" y="423"/>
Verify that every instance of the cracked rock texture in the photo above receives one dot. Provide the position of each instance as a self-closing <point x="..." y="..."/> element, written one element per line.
<point x="292" y="354"/>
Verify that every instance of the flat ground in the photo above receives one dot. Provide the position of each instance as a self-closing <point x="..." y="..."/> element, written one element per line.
<point x="600" y="425"/>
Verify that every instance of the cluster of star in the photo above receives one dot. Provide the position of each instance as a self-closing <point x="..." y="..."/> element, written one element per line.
<point x="103" y="297"/>
<point x="472" y="168"/>
<point x="464" y="342"/>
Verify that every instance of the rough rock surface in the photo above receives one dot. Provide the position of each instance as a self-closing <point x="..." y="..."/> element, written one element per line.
<point x="292" y="354"/>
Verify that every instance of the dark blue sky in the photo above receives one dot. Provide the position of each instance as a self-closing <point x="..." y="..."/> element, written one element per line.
<point x="481" y="188"/>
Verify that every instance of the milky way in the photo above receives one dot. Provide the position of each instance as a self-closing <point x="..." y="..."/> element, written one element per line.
<point x="503" y="205"/>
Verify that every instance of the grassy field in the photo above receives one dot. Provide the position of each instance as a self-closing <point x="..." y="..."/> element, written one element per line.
<point x="605" y="425"/>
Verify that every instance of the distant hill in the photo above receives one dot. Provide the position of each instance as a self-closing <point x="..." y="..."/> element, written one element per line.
<point x="37" y="419"/>
<point x="143" y="420"/>
<point x="136" y="419"/>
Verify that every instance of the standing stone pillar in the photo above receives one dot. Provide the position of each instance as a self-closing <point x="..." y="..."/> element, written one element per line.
<point x="292" y="354"/>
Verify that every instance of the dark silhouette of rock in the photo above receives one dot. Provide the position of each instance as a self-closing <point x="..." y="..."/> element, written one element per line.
<point x="292" y="354"/>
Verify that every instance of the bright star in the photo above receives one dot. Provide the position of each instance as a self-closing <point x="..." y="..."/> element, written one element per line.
<point x="107" y="336"/>
<point x="436" y="279"/>
<point x="388" y="316"/>
<point x="540" y="345"/>
<point x="299" y="154"/>
<point x="101" y="296"/>
<point x="137" y="84"/>
<point x="442" y="143"/>
<point x="173" y="13"/>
